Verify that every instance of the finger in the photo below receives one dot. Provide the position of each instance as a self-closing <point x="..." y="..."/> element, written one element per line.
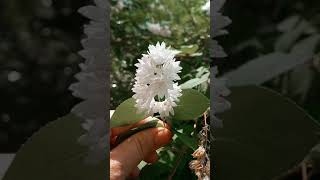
<point x="119" y="130"/>
<point x="151" y="158"/>
<point x="137" y="147"/>
<point x="135" y="172"/>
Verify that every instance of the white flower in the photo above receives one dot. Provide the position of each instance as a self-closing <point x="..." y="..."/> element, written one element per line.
<point x="157" y="29"/>
<point x="155" y="88"/>
<point x="219" y="22"/>
<point x="92" y="79"/>
<point x="217" y="94"/>
<point x="219" y="89"/>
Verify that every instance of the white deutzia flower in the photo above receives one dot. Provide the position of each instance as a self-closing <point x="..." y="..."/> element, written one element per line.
<point x="157" y="29"/>
<point x="155" y="88"/>
<point x="219" y="89"/>
<point x="219" y="22"/>
<point x="217" y="94"/>
<point x="92" y="82"/>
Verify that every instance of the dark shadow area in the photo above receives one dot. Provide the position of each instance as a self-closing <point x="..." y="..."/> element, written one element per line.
<point x="39" y="40"/>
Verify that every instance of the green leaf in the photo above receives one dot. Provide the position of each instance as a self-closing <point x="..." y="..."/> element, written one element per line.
<point x="54" y="153"/>
<point x="126" y="114"/>
<point x="287" y="39"/>
<point x="154" y="122"/>
<point x="264" y="135"/>
<point x="157" y="171"/>
<point x="187" y="140"/>
<point x="288" y="24"/>
<point x="192" y="105"/>
<point x="195" y="82"/>
<point x="189" y="49"/>
<point x="201" y="71"/>
<point x="176" y="167"/>
<point x="306" y="47"/>
<point x="264" y="68"/>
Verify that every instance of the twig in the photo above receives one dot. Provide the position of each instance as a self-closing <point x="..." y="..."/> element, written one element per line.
<point x="205" y="125"/>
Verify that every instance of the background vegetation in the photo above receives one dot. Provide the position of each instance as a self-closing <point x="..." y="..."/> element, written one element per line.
<point x="259" y="28"/>
<point x="39" y="40"/>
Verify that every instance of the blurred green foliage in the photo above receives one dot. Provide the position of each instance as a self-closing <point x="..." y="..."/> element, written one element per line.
<point x="257" y="29"/>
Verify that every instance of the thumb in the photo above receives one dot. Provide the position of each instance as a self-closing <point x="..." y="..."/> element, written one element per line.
<point x="127" y="155"/>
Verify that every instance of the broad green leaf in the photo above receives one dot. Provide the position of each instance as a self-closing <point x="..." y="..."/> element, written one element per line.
<point x="264" y="135"/>
<point x="189" y="49"/>
<point x="267" y="67"/>
<point x="191" y="83"/>
<point x="187" y="140"/>
<point x="287" y="39"/>
<point x="176" y="166"/>
<point x="288" y="24"/>
<point x="306" y="47"/>
<point x="54" y="153"/>
<point x="195" y="82"/>
<point x="156" y="171"/>
<point x="260" y="70"/>
<point x="201" y="71"/>
<point x="6" y="160"/>
<point x="192" y="105"/>
<point x="126" y="114"/>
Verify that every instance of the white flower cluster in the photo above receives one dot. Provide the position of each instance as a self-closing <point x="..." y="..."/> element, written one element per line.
<point x="155" y="88"/>
<point x="92" y="81"/>
<point x="157" y="29"/>
<point x="219" y="89"/>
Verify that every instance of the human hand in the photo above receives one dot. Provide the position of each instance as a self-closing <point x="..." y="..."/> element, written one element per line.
<point x="125" y="157"/>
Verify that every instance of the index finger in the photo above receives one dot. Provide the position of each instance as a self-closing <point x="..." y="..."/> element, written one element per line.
<point x="119" y="130"/>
